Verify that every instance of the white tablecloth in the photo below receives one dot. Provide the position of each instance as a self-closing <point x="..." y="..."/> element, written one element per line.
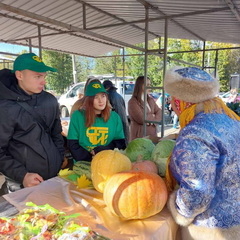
<point x="64" y="196"/>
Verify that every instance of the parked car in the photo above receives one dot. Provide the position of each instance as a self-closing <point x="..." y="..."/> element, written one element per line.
<point x="155" y="95"/>
<point x="228" y="97"/>
<point x="67" y="100"/>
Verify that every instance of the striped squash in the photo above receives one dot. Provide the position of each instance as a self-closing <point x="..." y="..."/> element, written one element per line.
<point x="82" y="167"/>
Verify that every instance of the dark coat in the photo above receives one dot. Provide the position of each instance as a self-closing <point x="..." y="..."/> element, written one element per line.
<point x="24" y="144"/>
<point x="118" y="105"/>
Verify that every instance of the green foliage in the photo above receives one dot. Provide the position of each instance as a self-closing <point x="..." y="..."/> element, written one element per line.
<point x="234" y="60"/>
<point x="110" y="65"/>
<point x="63" y="63"/>
<point x="175" y="45"/>
<point x="155" y="72"/>
<point x="84" y="67"/>
<point x="135" y="64"/>
<point x="227" y="60"/>
<point x="223" y="65"/>
<point x="228" y="63"/>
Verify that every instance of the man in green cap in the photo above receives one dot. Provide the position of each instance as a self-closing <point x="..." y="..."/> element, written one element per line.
<point x="32" y="147"/>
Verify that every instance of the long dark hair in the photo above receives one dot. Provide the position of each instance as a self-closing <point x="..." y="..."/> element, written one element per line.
<point x="138" y="88"/>
<point x="89" y="110"/>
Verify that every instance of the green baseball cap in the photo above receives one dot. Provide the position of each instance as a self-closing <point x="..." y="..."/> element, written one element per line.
<point x="31" y="62"/>
<point x="93" y="88"/>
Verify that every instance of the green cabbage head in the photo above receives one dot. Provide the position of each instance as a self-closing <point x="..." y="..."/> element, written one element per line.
<point x="160" y="154"/>
<point x="139" y="149"/>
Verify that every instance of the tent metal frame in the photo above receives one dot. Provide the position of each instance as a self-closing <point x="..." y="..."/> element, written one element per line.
<point x="86" y="32"/>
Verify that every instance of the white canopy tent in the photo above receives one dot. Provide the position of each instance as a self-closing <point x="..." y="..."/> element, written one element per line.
<point x="95" y="27"/>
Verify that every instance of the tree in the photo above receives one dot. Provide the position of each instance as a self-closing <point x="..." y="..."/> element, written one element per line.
<point x="182" y="48"/>
<point x="134" y="64"/>
<point x="60" y="80"/>
<point x="109" y="65"/>
<point x="84" y="66"/>
<point x="228" y="60"/>
<point x="223" y="64"/>
<point x="234" y="61"/>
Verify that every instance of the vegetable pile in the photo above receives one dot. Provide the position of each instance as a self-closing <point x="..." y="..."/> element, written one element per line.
<point x="44" y="223"/>
<point x="132" y="180"/>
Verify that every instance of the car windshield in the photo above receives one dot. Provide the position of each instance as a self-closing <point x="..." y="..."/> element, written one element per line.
<point x="128" y="88"/>
<point x="77" y="89"/>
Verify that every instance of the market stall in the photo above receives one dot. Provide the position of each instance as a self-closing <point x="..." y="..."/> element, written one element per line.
<point x="65" y="196"/>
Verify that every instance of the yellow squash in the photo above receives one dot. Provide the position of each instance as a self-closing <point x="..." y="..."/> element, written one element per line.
<point x="105" y="164"/>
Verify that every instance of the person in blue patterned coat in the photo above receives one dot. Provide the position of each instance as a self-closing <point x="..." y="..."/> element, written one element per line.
<point x="205" y="162"/>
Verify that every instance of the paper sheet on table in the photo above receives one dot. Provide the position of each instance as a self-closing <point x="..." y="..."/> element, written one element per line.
<point x="64" y="196"/>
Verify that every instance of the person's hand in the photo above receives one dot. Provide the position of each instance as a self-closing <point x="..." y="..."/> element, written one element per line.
<point x="92" y="152"/>
<point x="32" y="179"/>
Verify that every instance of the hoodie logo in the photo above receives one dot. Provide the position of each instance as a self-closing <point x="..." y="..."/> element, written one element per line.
<point x="96" y="85"/>
<point x="97" y="135"/>
<point x="36" y="58"/>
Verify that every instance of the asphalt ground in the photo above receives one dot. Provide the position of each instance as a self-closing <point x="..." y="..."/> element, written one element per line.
<point x="168" y="126"/>
<point x="168" y="129"/>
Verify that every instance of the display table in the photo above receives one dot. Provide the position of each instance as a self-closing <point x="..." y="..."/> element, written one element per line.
<point x="64" y="196"/>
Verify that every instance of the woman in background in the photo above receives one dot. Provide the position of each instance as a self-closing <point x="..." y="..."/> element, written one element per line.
<point x="94" y="127"/>
<point x="136" y="111"/>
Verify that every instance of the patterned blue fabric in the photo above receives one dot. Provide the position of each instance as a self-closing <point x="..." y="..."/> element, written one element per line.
<point x="206" y="164"/>
<point x="195" y="74"/>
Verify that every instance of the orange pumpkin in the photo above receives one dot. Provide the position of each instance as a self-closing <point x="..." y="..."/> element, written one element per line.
<point x="135" y="195"/>
<point x="145" y="166"/>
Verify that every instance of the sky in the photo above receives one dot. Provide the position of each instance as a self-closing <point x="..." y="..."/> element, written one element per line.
<point x="11" y="48"/>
